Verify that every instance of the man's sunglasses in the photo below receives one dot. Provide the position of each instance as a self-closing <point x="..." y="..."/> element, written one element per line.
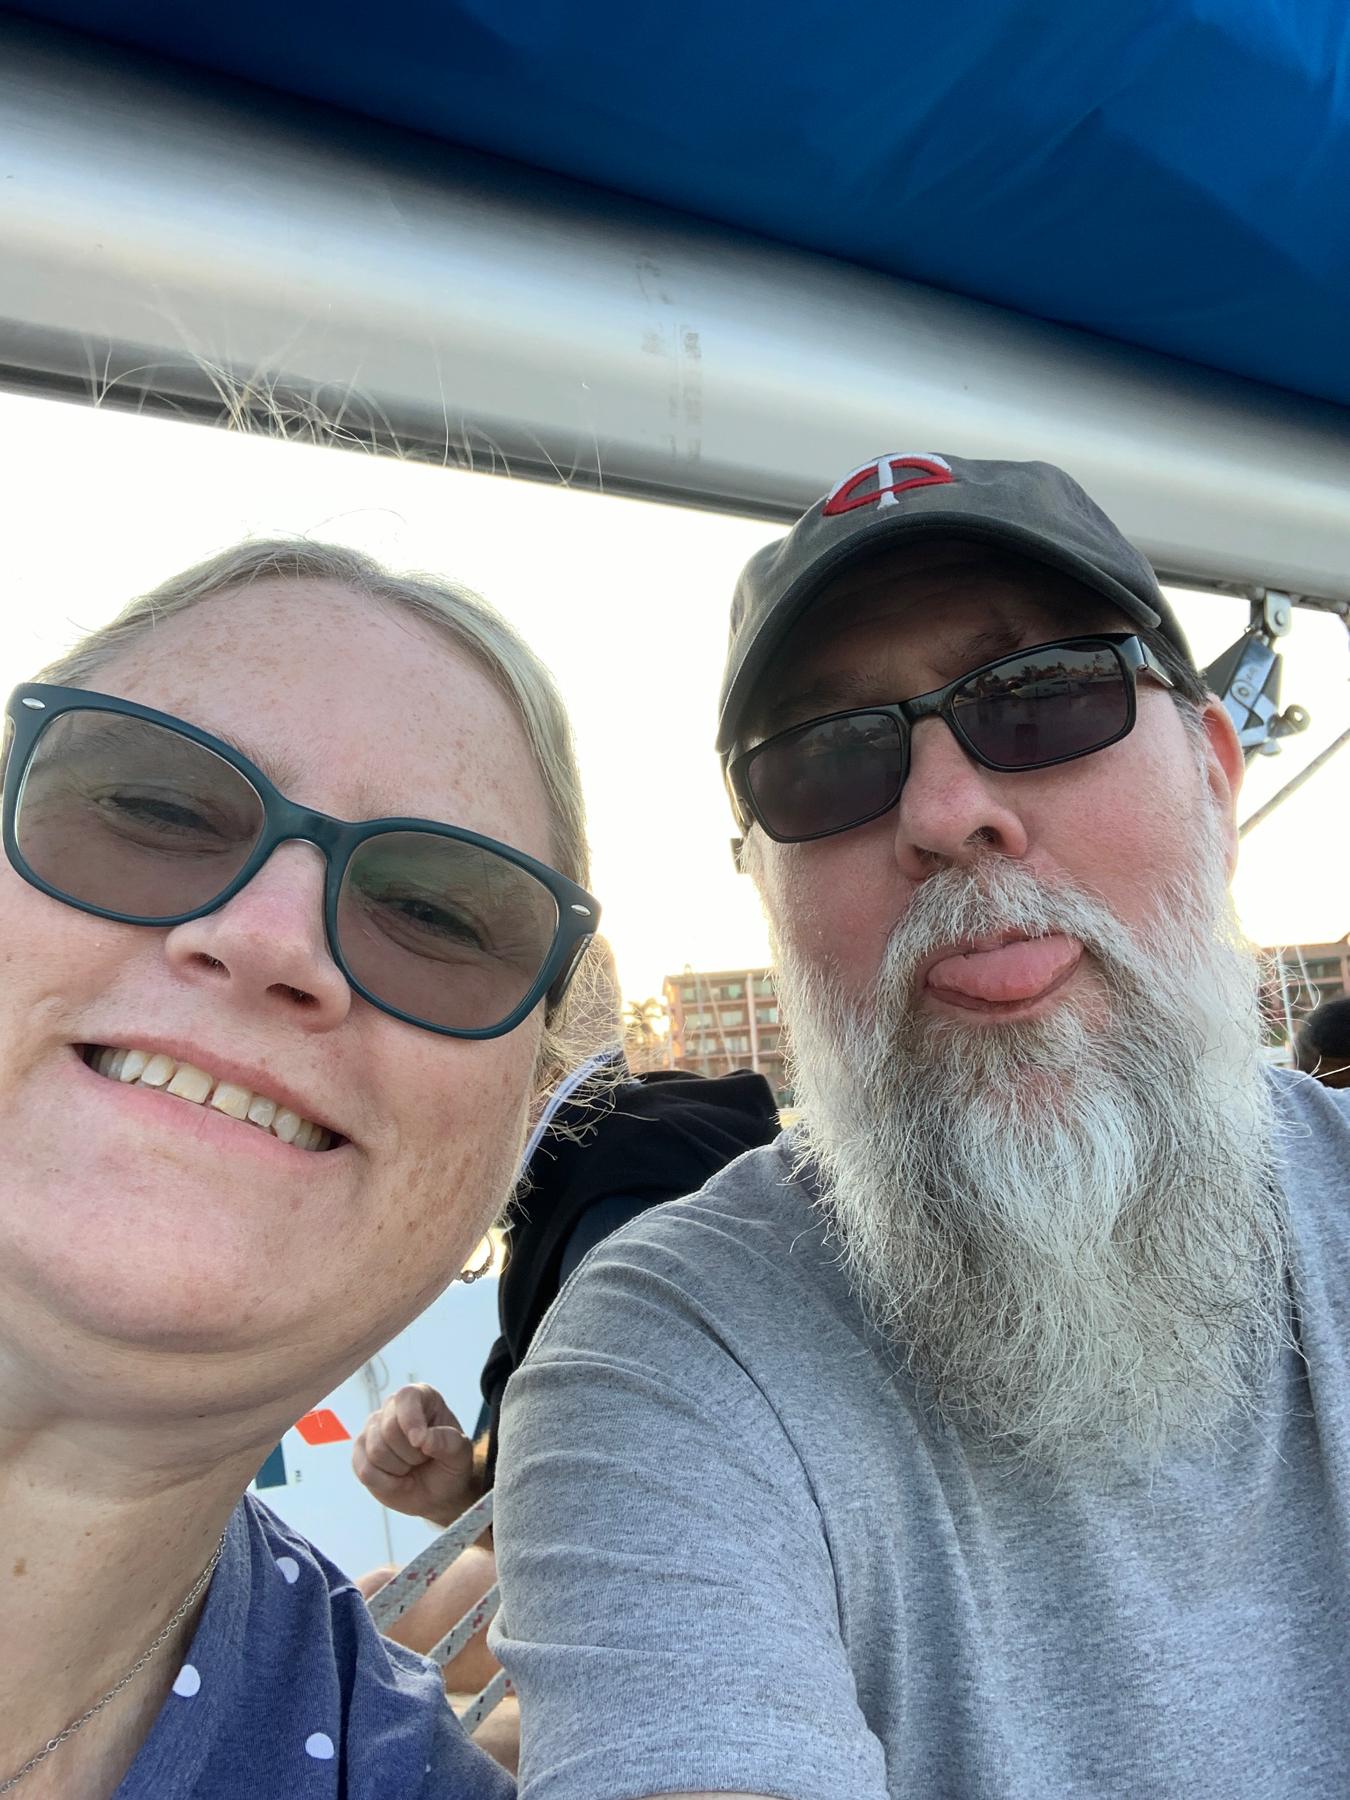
<point x="134" y="815"/>
<point x="1044" y="705"/>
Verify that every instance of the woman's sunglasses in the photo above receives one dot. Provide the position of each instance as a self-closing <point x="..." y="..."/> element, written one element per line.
<point x="133" y="815"/>
<point x="1044" y="705"/>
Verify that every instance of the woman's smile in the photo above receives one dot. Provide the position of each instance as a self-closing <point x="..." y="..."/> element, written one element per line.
<point x="186" y="1079"/>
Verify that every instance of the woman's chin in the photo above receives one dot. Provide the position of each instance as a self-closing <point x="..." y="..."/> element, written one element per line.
<point x="206" y="1298"/>
<point x="112" y="1238"/>
<point x="153" y="1274"/>
<point x="169" y="1306"/>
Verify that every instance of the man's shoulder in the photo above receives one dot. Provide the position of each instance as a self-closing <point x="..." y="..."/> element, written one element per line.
<point x="759" y="1201"/>
<point x="1293" y="1083"/>
<point x="1312" y="1125"/>
<point x="748" y="1248"/>
<point x="1313" y="1119"/>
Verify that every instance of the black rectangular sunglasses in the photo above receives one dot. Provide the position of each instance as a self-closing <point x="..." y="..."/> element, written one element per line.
<point x="1047" y="704"/>
<point x="133" y="815"/>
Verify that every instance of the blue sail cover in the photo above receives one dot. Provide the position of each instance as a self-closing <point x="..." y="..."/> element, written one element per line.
<point x="1173" y="173"/>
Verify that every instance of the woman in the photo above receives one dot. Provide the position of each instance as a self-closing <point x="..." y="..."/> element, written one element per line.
<point x="264" y="1082"/>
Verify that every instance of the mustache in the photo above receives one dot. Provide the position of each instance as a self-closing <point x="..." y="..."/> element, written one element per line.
<point x="997" y="895"/>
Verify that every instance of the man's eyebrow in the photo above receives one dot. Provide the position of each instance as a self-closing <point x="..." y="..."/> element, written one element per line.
<point x="849" y="688"/>
<point x="999" y="639"/>
<point x="814" y="699"/>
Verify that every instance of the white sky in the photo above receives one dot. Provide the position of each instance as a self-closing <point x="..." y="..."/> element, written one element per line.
<point x="625" y="600"/>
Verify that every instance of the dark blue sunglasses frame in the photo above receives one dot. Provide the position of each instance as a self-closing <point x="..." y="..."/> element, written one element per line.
<point x="34" y="705"/>
<point x="1133" y="658"/>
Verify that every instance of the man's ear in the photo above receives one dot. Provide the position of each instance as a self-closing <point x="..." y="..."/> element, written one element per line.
<point x="1224" y="767"/>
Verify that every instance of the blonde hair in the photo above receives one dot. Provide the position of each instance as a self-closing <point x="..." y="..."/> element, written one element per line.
<point x="460" y="615"/>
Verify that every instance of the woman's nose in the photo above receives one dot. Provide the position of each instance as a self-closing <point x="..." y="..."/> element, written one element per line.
<point x="266" y="948"/>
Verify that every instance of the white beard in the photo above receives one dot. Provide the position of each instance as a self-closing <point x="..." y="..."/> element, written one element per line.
<point x="1069" y="1227"/>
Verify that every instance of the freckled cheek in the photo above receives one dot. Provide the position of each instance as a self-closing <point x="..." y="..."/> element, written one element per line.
<point x="450" y="1183"/>
<point x="31" y="938"/>
<point x="54" y="963"/>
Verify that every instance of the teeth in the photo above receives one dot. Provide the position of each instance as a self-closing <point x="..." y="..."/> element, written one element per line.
<point x="286" y="1125"/>
<point x="191" y="1083"/>
<point x="146" y="1069"/>
<point x="157" y="1071"/>
<point x="230" y="1099"/>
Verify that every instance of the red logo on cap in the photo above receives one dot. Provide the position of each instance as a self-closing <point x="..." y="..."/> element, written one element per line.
<point x="934" y="471"/>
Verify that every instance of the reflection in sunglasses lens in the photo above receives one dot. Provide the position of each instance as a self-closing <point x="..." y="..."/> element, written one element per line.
<point x="1028" y="711"/>
<point x="831" y="773"/>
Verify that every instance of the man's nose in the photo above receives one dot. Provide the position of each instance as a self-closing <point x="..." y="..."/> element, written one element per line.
<point x="951" y="809"/>
<point x="265" y="949"/>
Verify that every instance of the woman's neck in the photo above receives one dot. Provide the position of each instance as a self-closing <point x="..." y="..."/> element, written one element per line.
<point x="104" y="1533"/>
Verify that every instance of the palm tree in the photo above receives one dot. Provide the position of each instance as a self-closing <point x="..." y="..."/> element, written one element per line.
<point x="643" y="1043"/>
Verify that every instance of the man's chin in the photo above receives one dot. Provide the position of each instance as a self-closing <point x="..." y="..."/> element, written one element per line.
<point x="964" y="1057"/>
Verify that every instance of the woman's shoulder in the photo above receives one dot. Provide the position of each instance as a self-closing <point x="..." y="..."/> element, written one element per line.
<point x="288" y="1681"/>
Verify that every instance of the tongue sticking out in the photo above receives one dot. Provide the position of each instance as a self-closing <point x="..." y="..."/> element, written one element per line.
<point x="1023" y="970"/>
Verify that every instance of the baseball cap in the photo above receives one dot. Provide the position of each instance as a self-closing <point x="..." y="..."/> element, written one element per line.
<point x="1030" y="508"/>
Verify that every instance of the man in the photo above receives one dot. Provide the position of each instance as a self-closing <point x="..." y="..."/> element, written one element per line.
<point x="990" y="1435"/>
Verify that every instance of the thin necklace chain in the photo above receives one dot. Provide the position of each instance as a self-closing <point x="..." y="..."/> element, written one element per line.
<point x="146" y="1655"/>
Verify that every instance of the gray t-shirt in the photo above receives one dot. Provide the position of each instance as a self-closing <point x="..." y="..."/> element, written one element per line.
<point x="738" y="1557"/>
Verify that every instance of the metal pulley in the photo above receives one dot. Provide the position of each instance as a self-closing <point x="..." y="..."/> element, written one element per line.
<point x="1247" y="677"/>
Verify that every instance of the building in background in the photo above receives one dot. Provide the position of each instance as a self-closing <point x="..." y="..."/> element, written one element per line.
<point x="726" y="1020"/>
<point x="1303" y="976"/>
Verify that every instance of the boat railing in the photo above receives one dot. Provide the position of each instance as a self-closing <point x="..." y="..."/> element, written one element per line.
<point x="389" y="1603"/>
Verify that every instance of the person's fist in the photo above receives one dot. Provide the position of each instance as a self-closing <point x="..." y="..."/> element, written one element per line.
<point x="413" y="1456"/>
